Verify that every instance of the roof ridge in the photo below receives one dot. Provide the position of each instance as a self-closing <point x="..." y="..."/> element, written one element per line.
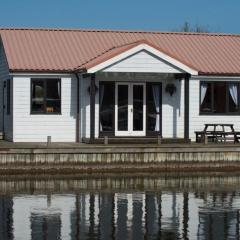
<point x="119" y="31"/>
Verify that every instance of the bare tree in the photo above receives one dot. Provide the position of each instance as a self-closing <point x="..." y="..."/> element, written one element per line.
<point x="197" y="28"/>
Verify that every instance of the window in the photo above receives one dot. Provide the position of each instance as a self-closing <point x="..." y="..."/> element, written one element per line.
<point x="219" y="98"/>
<point x="107" y="104"/>
<point x="8" y="96"/>
<point x="154" y="107"/>
<point x="46" y="96"/>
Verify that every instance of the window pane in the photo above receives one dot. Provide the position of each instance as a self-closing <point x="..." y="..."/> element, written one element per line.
<point x="219" y="97"/>
<point x="206" y="97"/>
<point x="153" y="107"/>
<point x="53" y="91"/>
<point x="137" y="107"/>
<point x="107" y="104"/>
<point x="233" y="97"/>
<point x="38" y="96"/>
<point x="122" y="107"/>
<point x="8" y="96"/>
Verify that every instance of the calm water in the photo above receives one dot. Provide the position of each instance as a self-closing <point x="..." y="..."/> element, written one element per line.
<point x="156" y="207"/>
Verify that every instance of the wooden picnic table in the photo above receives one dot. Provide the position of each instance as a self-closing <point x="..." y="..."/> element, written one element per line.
<point x="215" y="135"/>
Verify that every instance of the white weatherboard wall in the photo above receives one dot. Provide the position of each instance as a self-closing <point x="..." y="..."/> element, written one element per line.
<point x="197" y="121"/>
<point x="143" y="61"/>
<point x="37" y="127"/>
<point x="85" y="108"/>
<point x="173" y="110"/>
<point x="8" y="118"/>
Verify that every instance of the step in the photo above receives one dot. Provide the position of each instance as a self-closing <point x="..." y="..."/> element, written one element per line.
<point x="1" y="135"/>
<point x="136" y="140"/>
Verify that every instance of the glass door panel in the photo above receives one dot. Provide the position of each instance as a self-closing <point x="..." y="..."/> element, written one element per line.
<point x="138" y="102"/>
<point x="130" y="109"/>
<point x="122" y="103"/>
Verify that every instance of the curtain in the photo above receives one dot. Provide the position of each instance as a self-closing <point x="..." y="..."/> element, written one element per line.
<point x="203" y="91"/>
<point x="58" y="89"/>
<point x="156" y="97"/>
<point x="101" y="101"/>
<point x="234" y="92"/>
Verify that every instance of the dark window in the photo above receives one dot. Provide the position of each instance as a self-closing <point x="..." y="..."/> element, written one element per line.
<point x="138" y="102"/>
<point x="206" y="97"/>
<point x="8" y="96"/>
<point x="46" y="96"/>
<point x="38" y="96"/>
<point x="153" y="107"/>
<point x="107" y="104"/>
<point x="122" y="107"/>
<point x="219" y="93"/>
<point x="219" y="97"/>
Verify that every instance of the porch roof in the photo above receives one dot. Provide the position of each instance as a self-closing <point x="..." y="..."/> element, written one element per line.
<point x="121" y="52"/>
<point x="64" y="50"/>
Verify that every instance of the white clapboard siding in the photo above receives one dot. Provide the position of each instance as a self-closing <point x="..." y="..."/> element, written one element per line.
<point x="197" y="121"/>
<point x="4" y="75"/>
<point x="85" y="109"/>
<point x="173" y="111"/>
<point x="36" y="128"/>
<point x="142" y="61"/>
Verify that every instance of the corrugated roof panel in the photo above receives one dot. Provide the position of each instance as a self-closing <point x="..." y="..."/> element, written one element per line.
<point x="65" y="50"/>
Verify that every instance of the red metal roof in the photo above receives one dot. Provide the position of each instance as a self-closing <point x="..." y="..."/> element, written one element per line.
<point x="63" y="50"/>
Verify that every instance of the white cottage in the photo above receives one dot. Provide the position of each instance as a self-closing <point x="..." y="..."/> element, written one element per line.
<point x="83" y="85"/>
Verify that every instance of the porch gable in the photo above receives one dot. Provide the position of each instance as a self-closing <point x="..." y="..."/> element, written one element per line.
<point x="137" y="57"/>
<point x="143" y="61"/>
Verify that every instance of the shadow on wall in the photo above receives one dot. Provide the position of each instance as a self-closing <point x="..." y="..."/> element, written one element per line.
<point x="85" y="102"/>
<point x="175" y="102"/>
<point x="73" y="101"/>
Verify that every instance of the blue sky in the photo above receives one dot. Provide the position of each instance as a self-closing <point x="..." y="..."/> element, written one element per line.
<point x="217" y="15"/>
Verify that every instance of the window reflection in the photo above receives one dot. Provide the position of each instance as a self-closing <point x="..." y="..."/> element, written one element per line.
<point x="46" y="96"/>
<point x="122" y="107"/>
<point x="219" y="97"/>
<point x="153" y="107"/>
<point x="107" y="104"/>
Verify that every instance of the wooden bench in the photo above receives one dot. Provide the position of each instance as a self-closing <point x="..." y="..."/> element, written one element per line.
<point x="216" y="135"/>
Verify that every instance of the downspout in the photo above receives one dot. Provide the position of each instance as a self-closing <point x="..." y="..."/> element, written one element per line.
<point x="3" y="106"/>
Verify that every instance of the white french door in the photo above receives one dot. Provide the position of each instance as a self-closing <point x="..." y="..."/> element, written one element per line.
<point x="130" y="109"/>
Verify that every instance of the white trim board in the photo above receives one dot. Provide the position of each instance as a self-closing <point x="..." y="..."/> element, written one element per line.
<point x="45" y="74"/>
<point x="216" y="78"/>
<point x="137" y="49"/>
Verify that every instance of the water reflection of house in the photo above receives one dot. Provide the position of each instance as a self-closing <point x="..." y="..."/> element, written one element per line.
<point x="45" y="227"/>
<point x="35" y="212"/>
<point x="218" y="210"/>
<point x="210" y="222"/>
<point x="108" y="215"/>
<point x="166" y="215"/>
<point x="131" y="216"/>
<point x="6" y="219"/>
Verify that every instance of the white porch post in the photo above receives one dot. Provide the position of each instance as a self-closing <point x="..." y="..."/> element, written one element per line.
<point x="186" y="107"/>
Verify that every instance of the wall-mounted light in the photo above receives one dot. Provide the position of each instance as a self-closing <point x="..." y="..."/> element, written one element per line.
<point x="89" y="89"/>
<point x="170" y="88"/>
